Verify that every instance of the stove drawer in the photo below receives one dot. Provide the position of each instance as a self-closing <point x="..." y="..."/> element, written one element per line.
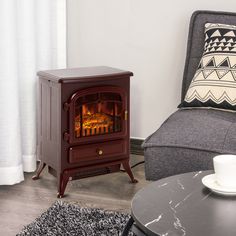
<point x="107" y="150"/>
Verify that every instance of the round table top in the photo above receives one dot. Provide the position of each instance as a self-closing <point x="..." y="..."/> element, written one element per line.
<point x="181" y="205"/>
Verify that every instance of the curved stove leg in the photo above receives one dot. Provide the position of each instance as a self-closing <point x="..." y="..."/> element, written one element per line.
<point x="39" y="170"/>
<point x="129" y="171"/>
<point x="62" y="182"/>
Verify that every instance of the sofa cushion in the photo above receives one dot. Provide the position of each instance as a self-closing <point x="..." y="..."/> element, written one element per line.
<point x="161" y="162"/>
<point x="202" y="129"/>
<point x="214" y="83"/>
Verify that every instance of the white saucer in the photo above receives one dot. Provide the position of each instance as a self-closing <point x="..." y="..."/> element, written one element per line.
<point x="210" y="182"/>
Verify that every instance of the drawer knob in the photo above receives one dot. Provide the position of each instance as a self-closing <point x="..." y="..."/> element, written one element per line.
<point x="100" y="152"/>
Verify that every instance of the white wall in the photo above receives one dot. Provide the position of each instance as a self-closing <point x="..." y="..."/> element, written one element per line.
<point x="147" y="37"/>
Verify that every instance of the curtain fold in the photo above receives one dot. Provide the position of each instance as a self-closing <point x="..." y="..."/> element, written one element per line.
<point x="33" y="37"/>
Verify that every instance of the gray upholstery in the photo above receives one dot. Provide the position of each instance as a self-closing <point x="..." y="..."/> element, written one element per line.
<point x="189" y="138"/>
<point x="161" y="162"/>
<point x="203" y="129"/>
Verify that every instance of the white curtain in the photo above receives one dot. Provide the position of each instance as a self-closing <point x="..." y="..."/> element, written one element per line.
<point x="33" y="37"/>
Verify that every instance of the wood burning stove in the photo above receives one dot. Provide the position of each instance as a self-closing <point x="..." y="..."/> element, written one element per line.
<point x="83" y="123"/>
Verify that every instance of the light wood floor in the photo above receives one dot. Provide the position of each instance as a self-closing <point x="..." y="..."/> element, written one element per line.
<point x="20" y="204"/>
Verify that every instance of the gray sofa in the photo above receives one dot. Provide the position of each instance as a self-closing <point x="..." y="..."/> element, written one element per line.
<point x="190" y="138"/>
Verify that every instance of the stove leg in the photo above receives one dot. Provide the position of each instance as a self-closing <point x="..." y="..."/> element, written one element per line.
<point x="129" y="171"/>
<point x="39" y="170"/>
<point x="62" y="182"/>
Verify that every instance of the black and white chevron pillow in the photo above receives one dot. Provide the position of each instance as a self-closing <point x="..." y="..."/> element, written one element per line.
<point x="214" y="83"/>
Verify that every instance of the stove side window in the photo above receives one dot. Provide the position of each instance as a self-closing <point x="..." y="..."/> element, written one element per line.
<point x="98" y="114"/>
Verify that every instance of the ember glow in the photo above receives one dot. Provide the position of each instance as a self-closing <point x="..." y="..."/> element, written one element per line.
<point x="97" y="118"/>
<point x="93" y="123"/>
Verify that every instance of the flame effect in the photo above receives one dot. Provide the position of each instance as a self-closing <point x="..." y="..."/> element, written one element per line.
<point x="94" y="123"/>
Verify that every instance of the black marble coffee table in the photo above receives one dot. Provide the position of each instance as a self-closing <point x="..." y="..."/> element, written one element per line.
<point x="181" y="205"/>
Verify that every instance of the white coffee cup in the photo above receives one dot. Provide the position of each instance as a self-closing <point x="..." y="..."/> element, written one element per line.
<point x="225" y="170"/>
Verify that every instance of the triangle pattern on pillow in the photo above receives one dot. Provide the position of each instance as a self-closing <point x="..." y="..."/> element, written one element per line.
<point x="225" y="63"/>
<point x="216" y="34"/>
<point x="206" y="73"/>
<point x="221" y="73"/>
<point x="228" y="77"/>
<point x="211" y="63"/>
<point x="230" y="34"/>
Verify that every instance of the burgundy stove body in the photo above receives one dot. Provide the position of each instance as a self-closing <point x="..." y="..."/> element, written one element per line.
<point x="83" y="123"/>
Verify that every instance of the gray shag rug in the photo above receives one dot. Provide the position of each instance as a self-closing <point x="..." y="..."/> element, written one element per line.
<point x="70" y="219"/>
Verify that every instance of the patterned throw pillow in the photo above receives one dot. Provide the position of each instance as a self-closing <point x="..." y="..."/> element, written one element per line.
<point x="214" y="83"/>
